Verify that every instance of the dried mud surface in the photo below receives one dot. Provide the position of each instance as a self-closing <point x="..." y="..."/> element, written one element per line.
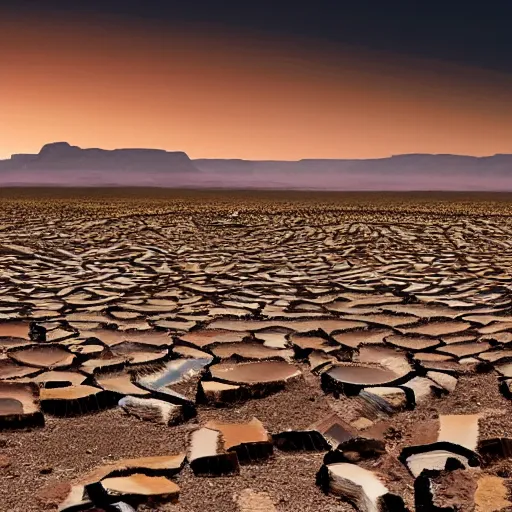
<point x="137" y="259"/>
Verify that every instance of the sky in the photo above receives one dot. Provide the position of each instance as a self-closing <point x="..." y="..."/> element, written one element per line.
<point x="258" y="79"/>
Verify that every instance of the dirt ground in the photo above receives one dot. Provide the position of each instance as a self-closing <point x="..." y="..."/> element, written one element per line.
<point x="249" y="256"/>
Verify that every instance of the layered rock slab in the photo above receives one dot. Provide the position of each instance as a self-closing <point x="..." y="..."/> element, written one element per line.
<point x="153" y="410"/>
<point x="363" y="488"/>
<point x="250" y="441"/>
<point x="75" y="400"/>
<point x="207" y="456"/>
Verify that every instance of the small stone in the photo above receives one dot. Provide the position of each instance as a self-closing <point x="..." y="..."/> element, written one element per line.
<point x="152" y="409"/>
<point x="444" y="380"/>
<point x="362" y="423"/>
<point x="392" y="434"/>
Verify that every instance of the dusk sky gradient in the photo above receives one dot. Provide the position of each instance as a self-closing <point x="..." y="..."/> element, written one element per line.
<point x="257" y="81"/>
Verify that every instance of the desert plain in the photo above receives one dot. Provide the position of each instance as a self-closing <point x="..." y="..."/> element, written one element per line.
<point x="255" y="351"/>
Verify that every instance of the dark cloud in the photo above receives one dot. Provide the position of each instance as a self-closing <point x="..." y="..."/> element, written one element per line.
<point x="468" y="32"/>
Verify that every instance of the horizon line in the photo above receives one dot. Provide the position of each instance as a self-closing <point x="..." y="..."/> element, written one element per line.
<point x="257" y="160"/>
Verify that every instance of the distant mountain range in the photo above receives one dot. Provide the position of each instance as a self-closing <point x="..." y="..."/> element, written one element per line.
<point x="60" y="164"/>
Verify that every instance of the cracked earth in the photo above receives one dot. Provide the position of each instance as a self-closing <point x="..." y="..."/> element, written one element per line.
<point x="255" y="351"/>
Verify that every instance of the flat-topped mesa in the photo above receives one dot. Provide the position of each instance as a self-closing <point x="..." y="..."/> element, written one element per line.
<point x="58" y="150"/>
<point x="63" y="156"/>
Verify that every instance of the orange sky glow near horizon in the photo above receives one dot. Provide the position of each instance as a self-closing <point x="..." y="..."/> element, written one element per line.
<point x="218" y="94"/>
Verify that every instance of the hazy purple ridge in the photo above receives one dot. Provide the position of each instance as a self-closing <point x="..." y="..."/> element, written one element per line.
<point x="273" y="181"/>
<point x="62" y="165"/>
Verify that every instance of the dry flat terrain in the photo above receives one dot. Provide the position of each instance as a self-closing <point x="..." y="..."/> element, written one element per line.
<point x="245" y="351"/>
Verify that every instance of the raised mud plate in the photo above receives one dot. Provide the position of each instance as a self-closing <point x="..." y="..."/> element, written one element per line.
<point x="20" y="406"/>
